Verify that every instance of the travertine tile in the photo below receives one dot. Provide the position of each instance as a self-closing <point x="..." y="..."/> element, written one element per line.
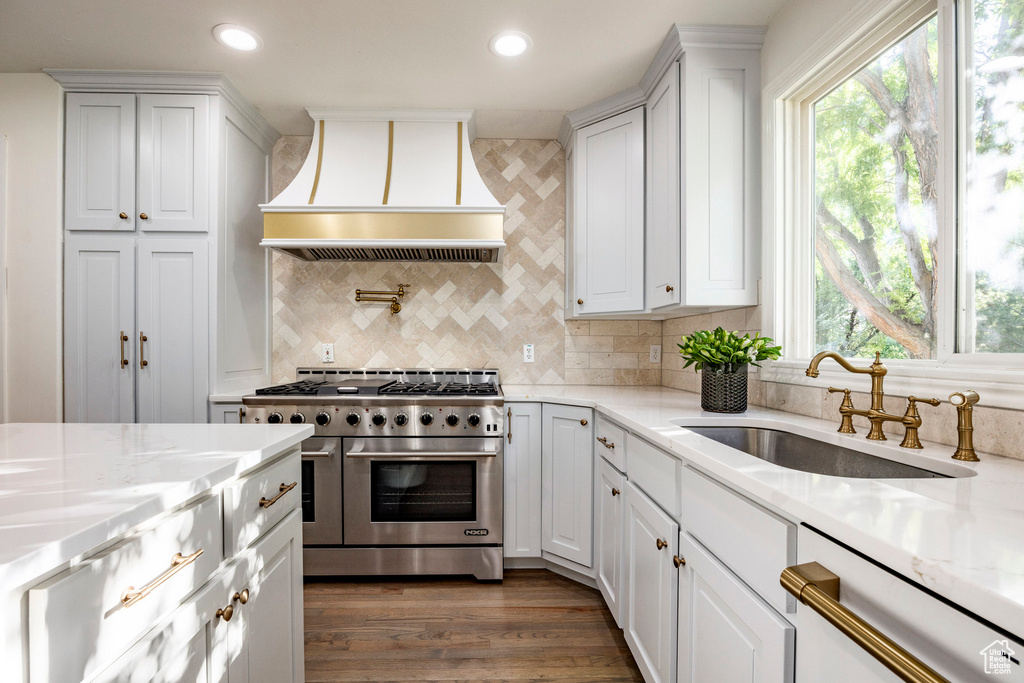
<point x="634" y="345"/>
<point x="590" y="344"/>
<point x="577" y="360"/>
<point x="619" y="328"/>
<point x="613" y="360"/>
<point x="732" y="320"/>
<point x="650" y="328"/>
<point x="795" y="399"/>
<point x="589" y="376"/>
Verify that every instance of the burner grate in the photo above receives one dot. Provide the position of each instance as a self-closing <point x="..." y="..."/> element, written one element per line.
<point x="304" y="388"/>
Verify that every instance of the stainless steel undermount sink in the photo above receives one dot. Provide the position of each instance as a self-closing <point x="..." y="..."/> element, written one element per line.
<point x="810" y="455"/>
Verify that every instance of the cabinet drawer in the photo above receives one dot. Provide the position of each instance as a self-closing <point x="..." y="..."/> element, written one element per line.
<point x="255" y="503"/>
<point x="78" y="622"/>
<point x="656" y="472"/>
<point x="611" y="443"/>
<point x="754" y="543"/>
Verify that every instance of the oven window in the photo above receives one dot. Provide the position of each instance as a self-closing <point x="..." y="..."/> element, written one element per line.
<point x="423" y="491"/>
<point x="308" y="497"/>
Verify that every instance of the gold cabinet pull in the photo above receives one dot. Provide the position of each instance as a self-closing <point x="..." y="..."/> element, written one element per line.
<point x="242" y="597"/>
<point x="669" y="288"/>
<point x="661" y="544"/>
<point x="132" y="595"/>
<point x="123" y="216"/>
<point x="142" y="351"/>
<point x="241" y="415"/>
<point x="604" y="441"/>
<point x="143" y="216"/>
<point x="579" y="301"/>
<point x="678" y="561"/>
<point x="818" y="588"/>
<point x="226" y="613"/>
<point x="285" y="488"/>
<point x="124" y="361"/>
<point x="616" y="492"/>
<point x="510" y="425"/>
<point x="583" y="422"/>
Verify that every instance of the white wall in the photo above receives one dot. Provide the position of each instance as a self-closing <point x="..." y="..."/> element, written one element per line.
<point x="31" y="116"/>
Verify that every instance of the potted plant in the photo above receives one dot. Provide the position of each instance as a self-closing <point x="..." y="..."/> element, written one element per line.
<point x="723" y="357"/>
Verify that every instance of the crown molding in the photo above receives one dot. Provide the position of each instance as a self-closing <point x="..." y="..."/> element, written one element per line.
<point x="170" y="82"/>
<point x="602" y="109"/>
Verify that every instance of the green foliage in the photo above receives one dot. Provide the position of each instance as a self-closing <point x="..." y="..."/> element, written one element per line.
<point x="723" y="351"/>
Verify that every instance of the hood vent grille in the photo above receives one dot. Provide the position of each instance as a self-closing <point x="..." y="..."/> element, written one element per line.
<point x="393" y="254"/>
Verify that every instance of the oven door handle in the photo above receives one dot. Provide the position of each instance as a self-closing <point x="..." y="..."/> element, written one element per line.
<point x="423" y="454"/>
<point x="317" y="454"/>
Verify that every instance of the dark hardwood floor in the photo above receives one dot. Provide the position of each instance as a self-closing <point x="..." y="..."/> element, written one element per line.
<point x="534" y="626"/>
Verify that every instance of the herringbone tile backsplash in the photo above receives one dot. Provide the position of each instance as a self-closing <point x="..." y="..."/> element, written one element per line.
<point x="460" y="315"/>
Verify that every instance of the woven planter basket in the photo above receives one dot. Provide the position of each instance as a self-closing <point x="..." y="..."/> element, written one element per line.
<point x="722" y="391"/>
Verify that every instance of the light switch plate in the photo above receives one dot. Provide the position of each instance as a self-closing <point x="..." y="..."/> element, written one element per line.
<point x="655" y="353"/>
<point x="527" y="353"/>
<point x="327" y="353"/>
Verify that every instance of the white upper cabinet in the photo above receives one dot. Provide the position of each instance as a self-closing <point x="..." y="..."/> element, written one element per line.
<point x="99" y="162"/>
<point x="174" y="175"/>
<point x="663" y="188"/>
<point x="608" y="160"/>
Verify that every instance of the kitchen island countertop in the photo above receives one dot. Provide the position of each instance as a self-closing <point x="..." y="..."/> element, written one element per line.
<point x="961" y="537"/>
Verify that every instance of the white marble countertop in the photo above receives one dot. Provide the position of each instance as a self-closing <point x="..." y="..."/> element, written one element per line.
<point x="67" y="488"/>
<point x="962" y="537"/>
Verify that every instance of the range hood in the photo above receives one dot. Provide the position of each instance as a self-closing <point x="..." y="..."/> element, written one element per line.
<point x="387" y="186"/>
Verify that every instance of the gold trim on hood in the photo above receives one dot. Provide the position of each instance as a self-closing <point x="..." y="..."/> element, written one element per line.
<point x="319" y="164"/>
<point x="381" y="226"/>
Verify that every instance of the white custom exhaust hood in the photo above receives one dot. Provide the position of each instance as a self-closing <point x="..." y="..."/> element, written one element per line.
<point x="387" y="186"/>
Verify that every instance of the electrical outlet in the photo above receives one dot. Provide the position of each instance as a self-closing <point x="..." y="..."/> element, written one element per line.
<point x="655" y="353"/>
<point x="327" y="353"/>
<point x="527" y="353"/>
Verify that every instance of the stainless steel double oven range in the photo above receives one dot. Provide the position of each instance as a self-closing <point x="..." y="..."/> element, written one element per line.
<point x="404" y="472"/>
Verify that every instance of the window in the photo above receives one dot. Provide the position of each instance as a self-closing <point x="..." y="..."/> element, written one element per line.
<point x="897" y="221"/>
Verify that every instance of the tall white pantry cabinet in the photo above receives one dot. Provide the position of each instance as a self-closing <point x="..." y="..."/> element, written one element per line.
<point x="166" y="289"/>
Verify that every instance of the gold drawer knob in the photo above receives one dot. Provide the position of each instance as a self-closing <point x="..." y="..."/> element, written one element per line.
<point x="143" y="216"/>
<point x="678" y="561"/>
<point x="579" y="301"/>
<point x="669" y="288"/>
<point x="616" y="492"/>
<point x="242" y="597"/>
<point x="123" y="216"/>
<point x="662" y="544"/>
<point x="583" y="422"/>
<point x="226" y="613"/>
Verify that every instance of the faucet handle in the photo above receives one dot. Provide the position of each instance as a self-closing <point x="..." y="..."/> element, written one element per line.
<point x="833" y="390"/>
<point x="912" y="421"/>
<point x="912" y="400"/>
<point x="846" y="423"/>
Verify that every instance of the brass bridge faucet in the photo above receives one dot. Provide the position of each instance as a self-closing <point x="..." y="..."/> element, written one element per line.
<point x="876" y="413"/>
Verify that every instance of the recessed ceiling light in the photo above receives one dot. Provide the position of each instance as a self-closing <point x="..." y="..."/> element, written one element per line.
<point x="510" y="43"/>
<point x="237" y="37"/>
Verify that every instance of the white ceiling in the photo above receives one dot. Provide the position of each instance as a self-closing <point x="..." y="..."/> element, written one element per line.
<point x="374" y="53"/>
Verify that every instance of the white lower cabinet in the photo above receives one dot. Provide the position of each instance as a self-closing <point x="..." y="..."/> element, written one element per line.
<point x="946" y="639"/>
<point x="608" y="516"/>
<point x="522" y="526"/>
<point x="727" y="633"/>
<point x="567" y="491"/>
<point x="649" y="592"/>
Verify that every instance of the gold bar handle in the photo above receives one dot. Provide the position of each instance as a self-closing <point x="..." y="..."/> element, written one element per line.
<point x="124" y="361"/>
<point x="142" y="352"/>
<point x="132" y="595"/>
<point x="285" y="488"/>
<point x="604" y="442"/>
<point x="818" y="588"/>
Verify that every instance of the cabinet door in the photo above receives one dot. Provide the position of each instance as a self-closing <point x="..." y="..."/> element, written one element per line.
<point x="663" y="188"/>
<point x="273" y="613"/>
<point x="608" y="535"/>
<point x="649" y="598"/>
<point x="943" y="636"/>
<point x="522" y="480"/>
<point x="609" y="215"/>
<point x="173" y="303"/>
<point x="99" y="308"/>
<point x="99" y="162"/>
<point x="174" y="163"/>
<point x="720" y="181"/>
<point x="727" y="634"/>
<point x="568" y="482"/>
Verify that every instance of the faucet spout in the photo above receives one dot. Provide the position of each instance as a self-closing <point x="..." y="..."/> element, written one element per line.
<point x="876" y="414"/>
<point x="875" y="369"/>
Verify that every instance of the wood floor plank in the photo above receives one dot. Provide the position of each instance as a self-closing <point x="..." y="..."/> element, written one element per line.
<point x="534" y="626"/>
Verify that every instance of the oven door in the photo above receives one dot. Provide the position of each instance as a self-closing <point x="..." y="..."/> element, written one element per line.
<point x="423" y="491"/>
<point x="321" y="491"/>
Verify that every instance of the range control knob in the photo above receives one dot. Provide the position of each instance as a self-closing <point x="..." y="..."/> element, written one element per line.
<point x="352" y="419"/>
<point x="401" y="419"/>
<point x="426" y="419"/>
<point x="323" y="419"/>
<point x="297" y="418"/>
<point x="473" y="420"/>
<point x="452" y="419"/>
<point x="274" y="418"/>
<point x="378" y="420"/>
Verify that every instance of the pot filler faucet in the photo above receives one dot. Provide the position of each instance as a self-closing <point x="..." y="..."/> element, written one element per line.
<point x="875" y="414"/>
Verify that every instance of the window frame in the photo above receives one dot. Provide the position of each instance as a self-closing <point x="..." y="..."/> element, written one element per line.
<point x="789" y="260"/>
